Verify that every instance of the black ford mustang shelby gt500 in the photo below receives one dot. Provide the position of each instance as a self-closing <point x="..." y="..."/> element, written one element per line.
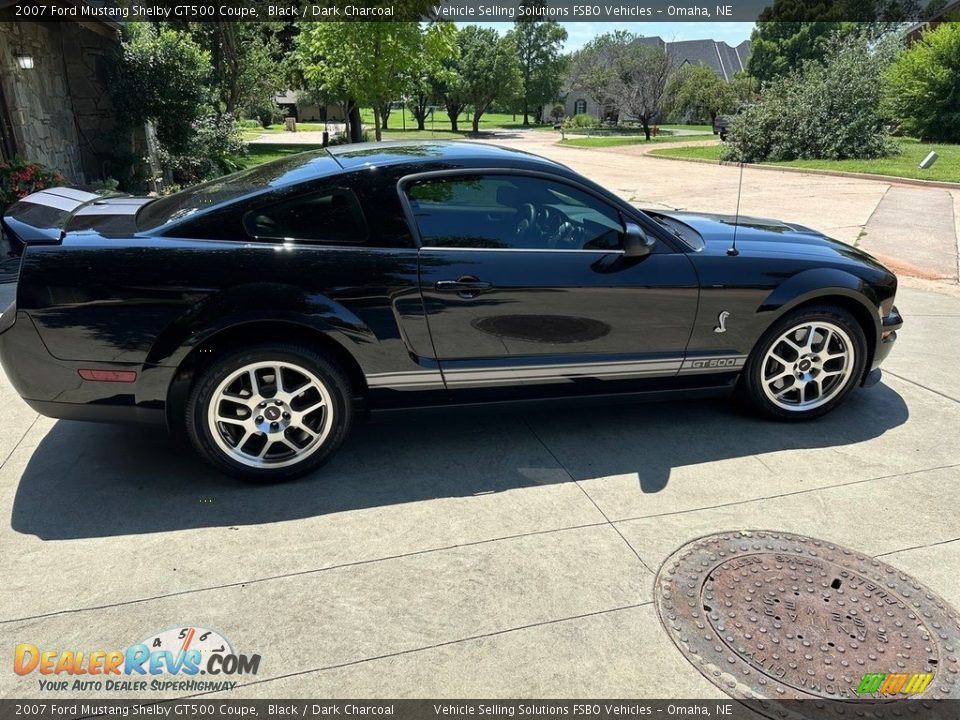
<point x="260" y="312"/>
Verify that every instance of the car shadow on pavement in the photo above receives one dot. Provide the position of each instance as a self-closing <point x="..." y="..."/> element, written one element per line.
<point x="88" y="480"/>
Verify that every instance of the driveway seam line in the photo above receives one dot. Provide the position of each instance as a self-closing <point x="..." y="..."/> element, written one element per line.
<point x="301" y="573"/>
<point x="919" y="547"/>
<point x="20" y="441"/>
<point x="594" y="502"/>
<point x="471" y="638"/>
<point x="921" y="385"/>
<point x="787" y="494"/>
<point x="863" y="228"/>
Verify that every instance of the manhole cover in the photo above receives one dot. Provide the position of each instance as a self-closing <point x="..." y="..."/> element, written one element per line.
<point x="773" y="615"/>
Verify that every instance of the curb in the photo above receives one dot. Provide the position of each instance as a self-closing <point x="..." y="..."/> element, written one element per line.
<point x="892" y="179"/>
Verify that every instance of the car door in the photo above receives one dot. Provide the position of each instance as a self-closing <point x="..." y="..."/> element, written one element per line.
<point x="526" y="284"/>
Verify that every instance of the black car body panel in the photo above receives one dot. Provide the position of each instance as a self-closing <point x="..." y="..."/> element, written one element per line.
<point x="107" y="288"/>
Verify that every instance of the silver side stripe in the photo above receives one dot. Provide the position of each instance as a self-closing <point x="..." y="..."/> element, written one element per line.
<point x="608" y="370"/>
<point x="620" y="369"/>
<point x="415" y="379"/>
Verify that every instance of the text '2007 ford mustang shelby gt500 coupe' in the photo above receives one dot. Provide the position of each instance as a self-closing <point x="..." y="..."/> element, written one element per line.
<point x="262" y="311"/>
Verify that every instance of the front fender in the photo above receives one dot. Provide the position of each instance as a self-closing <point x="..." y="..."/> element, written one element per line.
<point x="827" y="283"/>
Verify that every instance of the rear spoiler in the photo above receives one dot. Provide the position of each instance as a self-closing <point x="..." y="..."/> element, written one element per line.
<point x="41" y="216"/>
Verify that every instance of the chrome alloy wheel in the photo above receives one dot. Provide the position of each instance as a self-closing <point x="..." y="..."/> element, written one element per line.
<point x="807" y="366"/>
<point x="270" y="414"/>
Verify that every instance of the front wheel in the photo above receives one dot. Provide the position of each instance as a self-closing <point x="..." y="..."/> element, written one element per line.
<point x="269" y="413"/>
<point x="806" y="363"/>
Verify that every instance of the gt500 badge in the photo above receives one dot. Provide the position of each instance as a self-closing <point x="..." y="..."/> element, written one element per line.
<point x="735" y="361"/>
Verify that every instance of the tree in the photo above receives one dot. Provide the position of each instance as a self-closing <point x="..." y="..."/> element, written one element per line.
<point x="825" y="110"/>
<point x="788" y="32"/>
<point x="246" y="62"/>
<point x="439" y="43"/>
<point x="488" y="69"/>
<point x="592" y="68"/>
<point x="163" y="76"/>
<point x="448" y="87"/>
<point x="160" y="76"/>
<point x="542" y="66"/>
<point x="697" y="92"/>
<point x="923" y="86"/>
<point x="364" y="61"/>
<point x="641" y="79"/>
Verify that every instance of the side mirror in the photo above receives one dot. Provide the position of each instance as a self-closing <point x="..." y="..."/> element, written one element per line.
<point x="636" y="243"/>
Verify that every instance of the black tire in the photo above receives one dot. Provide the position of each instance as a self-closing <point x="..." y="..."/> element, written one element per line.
<point x="751" y="381"/>
<point x="333" y="379"/>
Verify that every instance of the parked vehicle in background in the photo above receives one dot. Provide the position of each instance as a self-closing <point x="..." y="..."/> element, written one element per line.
<point x="721" y="126"/>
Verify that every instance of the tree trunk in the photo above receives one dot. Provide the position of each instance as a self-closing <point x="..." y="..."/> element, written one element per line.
<point x="384" y="115"/>
<point x="646" y="127"/>
<point x="376" y="124"/>
<point x="526" y="115"/>
<point x="476" y="122"/>
<point x="419" y="111"/>
<point x="354" y="125"/>
<point x="453" y="115"/>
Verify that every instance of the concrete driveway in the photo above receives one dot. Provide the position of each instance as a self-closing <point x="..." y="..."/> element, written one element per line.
<point x="467" y="555"/>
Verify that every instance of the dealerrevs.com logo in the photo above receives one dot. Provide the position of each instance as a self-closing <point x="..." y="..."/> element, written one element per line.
<point x="168" y="660"/>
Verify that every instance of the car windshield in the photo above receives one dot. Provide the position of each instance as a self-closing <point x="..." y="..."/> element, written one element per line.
<point x="302" y="166"/>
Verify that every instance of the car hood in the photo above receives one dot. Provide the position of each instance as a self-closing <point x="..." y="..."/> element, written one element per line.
<point x="760" y="235"/>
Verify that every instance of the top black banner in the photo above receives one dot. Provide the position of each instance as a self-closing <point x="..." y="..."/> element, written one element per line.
<point x="485" y="11"/>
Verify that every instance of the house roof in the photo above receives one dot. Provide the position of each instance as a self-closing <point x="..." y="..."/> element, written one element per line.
<point x="720" y="57"/>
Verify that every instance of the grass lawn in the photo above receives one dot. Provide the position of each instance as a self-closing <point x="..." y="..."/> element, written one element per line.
<point x="260" y="154"/>
<point x="440" y="122"/>
<point x="614" y="140"/>
<point x="906" y="164"/>
<point x="403" y="125"/>
<point x="705" y="129"/>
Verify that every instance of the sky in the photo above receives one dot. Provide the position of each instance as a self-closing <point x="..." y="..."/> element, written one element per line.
<point x="579" y="33"/>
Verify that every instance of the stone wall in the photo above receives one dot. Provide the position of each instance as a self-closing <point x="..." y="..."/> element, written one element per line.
<point x="59" y="110"/>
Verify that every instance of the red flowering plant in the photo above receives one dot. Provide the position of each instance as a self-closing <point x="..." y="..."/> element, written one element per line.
<point x="19" y="178"/>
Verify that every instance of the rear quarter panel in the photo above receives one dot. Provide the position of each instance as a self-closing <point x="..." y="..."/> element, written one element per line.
<point x="150" y="301"/>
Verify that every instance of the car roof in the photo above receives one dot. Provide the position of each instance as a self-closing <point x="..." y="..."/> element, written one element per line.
<point x="433" y="154"/>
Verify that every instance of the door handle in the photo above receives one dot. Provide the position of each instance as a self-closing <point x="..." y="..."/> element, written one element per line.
<point x="466" y="286"/>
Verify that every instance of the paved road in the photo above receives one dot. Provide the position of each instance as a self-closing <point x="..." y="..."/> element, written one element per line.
<point x="479" y="555"/>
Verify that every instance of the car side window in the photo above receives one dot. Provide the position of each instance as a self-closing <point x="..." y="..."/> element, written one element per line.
<point x="330" y="216"/>
<point x="511" y="212"/>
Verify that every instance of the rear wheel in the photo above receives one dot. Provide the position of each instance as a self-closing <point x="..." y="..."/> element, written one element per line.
<point x="806" y="363"/>
<point x="269" y="413"/>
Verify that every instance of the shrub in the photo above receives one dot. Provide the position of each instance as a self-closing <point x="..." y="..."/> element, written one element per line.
<point x="264" y="112"/>
<point x="582" y="120"/>
<point x="19" y="178"/>
<point x="557" y="112"/>
<point x="923" y="86"/>
<point x="160" y="75"/>
<point x="829" y="110"/>
<point x="213" y="149"/>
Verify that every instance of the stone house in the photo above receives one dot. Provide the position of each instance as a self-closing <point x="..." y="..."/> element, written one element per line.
<point x="725" y="60"/>
<point x="54" y="104"/>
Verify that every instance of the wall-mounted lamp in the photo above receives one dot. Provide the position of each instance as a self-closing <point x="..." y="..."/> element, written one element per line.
<point x="24" y="62"/>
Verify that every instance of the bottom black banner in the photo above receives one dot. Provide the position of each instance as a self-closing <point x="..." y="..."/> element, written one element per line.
<point x="210" y="709"/>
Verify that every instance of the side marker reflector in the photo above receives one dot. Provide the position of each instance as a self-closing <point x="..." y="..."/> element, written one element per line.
<point x="108" y="375"/>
